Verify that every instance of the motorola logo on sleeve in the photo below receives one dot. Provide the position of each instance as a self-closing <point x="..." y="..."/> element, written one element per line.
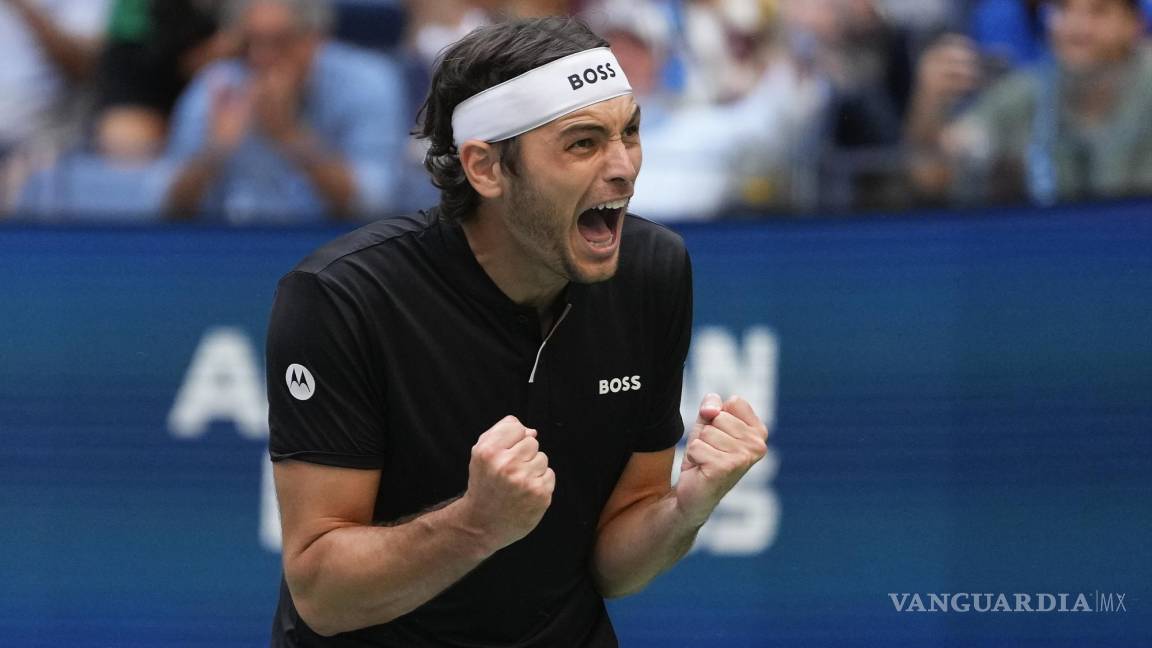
<point x="300" y="382"/>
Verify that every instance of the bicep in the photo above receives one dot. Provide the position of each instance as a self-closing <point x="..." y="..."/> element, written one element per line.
<point x="316" y="499"/>
<point x="647" y="476"/>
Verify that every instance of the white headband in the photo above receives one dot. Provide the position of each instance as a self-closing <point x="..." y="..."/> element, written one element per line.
<point x="538" y="96"/>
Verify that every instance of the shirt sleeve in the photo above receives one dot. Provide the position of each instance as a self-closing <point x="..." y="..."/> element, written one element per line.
<point x="325" y="403"/>
<point x="667" y="425"/>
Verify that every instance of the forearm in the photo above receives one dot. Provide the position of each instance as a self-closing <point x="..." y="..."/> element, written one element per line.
<point x="358" y="576"/>
<point x="329" y="174"/>
<point x="640" y="543"/>
<point x="192" y="181"/>
<point x="927" y="117"/>
<point x="74" y="56"/>
<point x="929" y="170"/>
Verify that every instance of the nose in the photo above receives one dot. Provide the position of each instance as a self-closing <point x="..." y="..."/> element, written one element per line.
<point x="622" y="163"/>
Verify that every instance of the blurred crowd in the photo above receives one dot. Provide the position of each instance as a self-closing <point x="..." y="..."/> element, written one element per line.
<point x="295" y="111"/>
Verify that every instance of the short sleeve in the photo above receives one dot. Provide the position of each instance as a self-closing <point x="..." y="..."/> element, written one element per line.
<point x="324" y="402"/>
<point x="665" y="425"/>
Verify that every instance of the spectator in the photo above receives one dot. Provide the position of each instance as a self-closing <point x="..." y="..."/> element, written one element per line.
<point x="436" y="24"/>
<point x="868" y="62"/>
<point x="154" y="49"/>
<point x="867" y="59"/>
<point x="700" y="158"/>
<point x="1076" y="127"/>
<point x="433" y="25"/>
<point x="300" y="127"/>
<point x="48" y="49"/>
<point x="82" y="186"/>
<point x="724" y="40"/>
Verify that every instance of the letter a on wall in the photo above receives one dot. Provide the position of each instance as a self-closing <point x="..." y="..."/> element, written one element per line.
<point x="223" y="383"/>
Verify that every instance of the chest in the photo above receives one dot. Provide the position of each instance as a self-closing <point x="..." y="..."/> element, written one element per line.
<point x="460" y="368"/>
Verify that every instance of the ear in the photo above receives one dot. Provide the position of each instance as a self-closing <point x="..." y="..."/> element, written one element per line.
<point x="481" y="164"/>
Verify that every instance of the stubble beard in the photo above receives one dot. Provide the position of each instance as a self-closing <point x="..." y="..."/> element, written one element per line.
<point x="544" y="232"/>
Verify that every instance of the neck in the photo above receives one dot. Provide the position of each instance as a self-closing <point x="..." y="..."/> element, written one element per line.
<point x="514" y="270"/>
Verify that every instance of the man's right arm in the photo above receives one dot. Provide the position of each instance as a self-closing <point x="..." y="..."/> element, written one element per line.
<point x="210" y="120"/>
<point x="345" y="574"/>
<point x="73" y="55"/>
<point x="191" y="182"/>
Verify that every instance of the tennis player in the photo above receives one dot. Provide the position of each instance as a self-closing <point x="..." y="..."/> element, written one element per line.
<point x="474" y="410"/>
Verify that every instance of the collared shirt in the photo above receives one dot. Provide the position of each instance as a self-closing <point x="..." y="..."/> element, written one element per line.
<point x="353" y="101"/>
<point x="392" y="349"/>
<point x="1026" y="119"/>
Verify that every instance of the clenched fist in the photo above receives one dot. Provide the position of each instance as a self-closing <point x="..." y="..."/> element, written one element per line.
<point x="509" y="482"/>
<point x="727" y="439"/>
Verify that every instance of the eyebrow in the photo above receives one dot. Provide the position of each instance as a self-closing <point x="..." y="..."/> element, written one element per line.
<point x="596" y="128"/>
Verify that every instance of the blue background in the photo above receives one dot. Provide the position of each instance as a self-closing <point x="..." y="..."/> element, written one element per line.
<point x="964" y="404"/>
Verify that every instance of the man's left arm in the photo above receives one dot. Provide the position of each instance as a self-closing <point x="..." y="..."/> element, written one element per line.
<point x="329" y="172"/>
<point x="647" y="524"/>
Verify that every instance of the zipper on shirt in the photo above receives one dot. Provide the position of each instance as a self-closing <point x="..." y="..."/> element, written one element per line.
<point x="540" y="351"/>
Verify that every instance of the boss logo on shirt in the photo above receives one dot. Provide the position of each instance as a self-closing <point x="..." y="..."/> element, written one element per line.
<point x="592" y="75"/>
<point x="616" y="385"/>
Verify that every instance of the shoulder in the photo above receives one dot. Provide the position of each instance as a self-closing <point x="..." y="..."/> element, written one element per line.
<point x="1015" y="94"/>
<point x="647" y="245"/>
<point x="347" y="63"/>
<point x="653" y="261"/>
<point x="373" y="251"/>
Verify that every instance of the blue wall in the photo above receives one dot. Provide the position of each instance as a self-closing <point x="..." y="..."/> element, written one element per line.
<point x="963" y="403"/>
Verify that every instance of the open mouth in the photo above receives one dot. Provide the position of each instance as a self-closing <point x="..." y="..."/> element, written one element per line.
<point x="598" y="225"/>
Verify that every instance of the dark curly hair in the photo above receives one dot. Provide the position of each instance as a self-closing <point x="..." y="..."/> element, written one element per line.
<point x="484" y="58"/>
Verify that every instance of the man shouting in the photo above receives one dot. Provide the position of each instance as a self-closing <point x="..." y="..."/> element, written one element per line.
<point x="474" y="410"/>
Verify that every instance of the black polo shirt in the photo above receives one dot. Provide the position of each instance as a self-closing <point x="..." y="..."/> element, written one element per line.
<point x="391" y="349"/>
